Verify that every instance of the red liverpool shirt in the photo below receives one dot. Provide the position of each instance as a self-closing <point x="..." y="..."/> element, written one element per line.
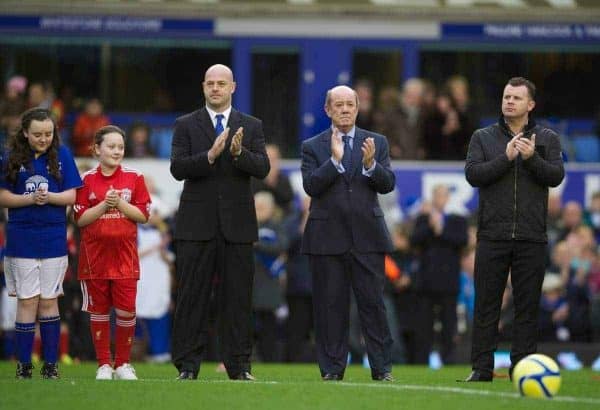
<point x="108" y="247"/>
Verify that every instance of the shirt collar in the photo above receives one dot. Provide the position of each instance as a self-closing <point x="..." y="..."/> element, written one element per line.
<point x="349" y="133"/>
<point x="213" y="116"/>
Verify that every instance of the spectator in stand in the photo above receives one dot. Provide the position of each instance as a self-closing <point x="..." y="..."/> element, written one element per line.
<point x="269" y="259"/>
<point x="154" y="287"/>
<point x="440" y="237"/>
<point x="405" y="297"/>
<point x="10" y="122"/>
<point x="429" y="98"/>
<point x="138" y="141"/>
<point x="86" y="125"/>
<point x="582" y="244"/>
<point x="591" y="216"/>
<point x="8" y="305"/>
<point x="160" y="141"/>
<point x="13" y="99"/>
<point x="402" y="124"/>
<point x="56" y="106"/>
<point x="554" y="217"/>
<point x="458" y="87"/>
<point x="366" y="107"/>
<point x="466" y="295"/>
<point x="572" y="218"/>
<point x="276" y="182"/>
<point x="445" y="133"/>
<point x="37" y="96"/>
<point x="299" y="289"/>
<point x="554" y="310"/>
<point x="42" y="95"/>
<point x="594" y="287"/>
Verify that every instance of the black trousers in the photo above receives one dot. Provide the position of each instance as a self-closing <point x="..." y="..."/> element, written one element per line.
<point x="299" y="327"/>
<point x="333" y="276"/>
<point x="426" y="304"/>
<point x="266" y="335"/>
<point x="493" y="261"/>
<point x="199" y="266"/>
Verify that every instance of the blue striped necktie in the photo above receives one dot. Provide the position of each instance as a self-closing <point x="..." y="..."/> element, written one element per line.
<point x="219" y="127"/>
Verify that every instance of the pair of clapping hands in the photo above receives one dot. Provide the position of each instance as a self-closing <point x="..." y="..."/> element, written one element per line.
<point x="337" y="149"/>
<point x="40" y="196"/>
<point x="520" y="145"/>
<point x="219" y="145"/>
<point x="112" y="198"/>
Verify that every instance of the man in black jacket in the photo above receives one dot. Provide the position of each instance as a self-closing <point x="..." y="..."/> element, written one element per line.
<point x="215" y="150"/>
<point x="512" y="162"/>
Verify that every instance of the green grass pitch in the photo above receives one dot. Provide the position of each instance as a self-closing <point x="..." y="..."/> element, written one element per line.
<point x="283" y="387"/>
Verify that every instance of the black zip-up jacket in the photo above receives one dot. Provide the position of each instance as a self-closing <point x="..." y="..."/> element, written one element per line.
<point x="513" y="195"/>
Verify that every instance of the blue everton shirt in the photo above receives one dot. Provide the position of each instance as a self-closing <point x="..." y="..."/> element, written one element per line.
<point x="39" y="231"/>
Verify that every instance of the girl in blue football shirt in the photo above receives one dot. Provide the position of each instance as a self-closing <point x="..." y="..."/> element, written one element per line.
<point x="37" y="182"/>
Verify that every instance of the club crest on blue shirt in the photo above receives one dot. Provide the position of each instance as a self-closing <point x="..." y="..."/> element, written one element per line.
<point x="126" y="194"/>
<point x="34" y="182"/>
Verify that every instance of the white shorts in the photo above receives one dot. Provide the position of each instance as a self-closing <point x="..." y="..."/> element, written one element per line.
<point x="28" y="277"/>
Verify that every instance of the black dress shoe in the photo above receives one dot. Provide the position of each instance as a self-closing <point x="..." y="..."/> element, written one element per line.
<point x="187" y="375"/>
<point x="383" y="377"/>
<point x="244" y="376"/>
<point x="478" y="376"/>
<point x="328" y="377"/>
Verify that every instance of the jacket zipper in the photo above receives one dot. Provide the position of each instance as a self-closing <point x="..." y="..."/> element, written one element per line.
<point x="515" y="201"/>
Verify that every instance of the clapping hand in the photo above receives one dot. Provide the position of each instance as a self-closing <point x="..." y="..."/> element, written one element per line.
<point x="368" y="149"/>
<point x="337" y="145"/>
<point x="511" y="149"/>
<point x="236" y="142"/>
<point x="525" y="146"/>
<point x="218" y="146"/>
<point x="40" y="196"/>
<point x="112" y="198"/>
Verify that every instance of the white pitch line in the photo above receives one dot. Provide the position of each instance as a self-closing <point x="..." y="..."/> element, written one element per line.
<point x="384" y="385"/>
<point x="459" y="390"/>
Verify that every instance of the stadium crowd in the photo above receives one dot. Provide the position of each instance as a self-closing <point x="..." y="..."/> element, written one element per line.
<point x="421" y="123"/>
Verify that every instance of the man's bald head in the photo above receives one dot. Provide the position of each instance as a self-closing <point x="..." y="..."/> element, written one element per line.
<point x="218" y="87"/>
<point x="340" y="90"/>
<point x="220" y="70"/>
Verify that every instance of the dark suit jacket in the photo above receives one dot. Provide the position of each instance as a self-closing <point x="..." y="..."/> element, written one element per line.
<point x="344" y="211"/>
<point x="439" y="259"/>
<point x="217" y="196"/>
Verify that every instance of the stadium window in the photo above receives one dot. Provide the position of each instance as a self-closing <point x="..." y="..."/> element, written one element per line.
<point x="72" y="70"/>
<point x="381" y="68"/>
<point x="160" y="79"/>
<point x="566" y="82"/>
<point x="275" y="97"/>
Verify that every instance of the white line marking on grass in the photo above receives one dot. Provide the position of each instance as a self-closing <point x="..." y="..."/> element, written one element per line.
<point x="459" y="390"/>
<point x="383" y="385"/>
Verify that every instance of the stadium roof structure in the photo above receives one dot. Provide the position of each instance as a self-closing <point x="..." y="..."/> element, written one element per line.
<point x="565" y="11"/>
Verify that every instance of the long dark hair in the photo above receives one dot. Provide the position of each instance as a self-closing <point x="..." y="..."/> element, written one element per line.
<point x="19" y="151"/>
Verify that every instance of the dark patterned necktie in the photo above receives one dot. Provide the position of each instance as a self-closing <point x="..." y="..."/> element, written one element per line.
<point x="347" y="158"/>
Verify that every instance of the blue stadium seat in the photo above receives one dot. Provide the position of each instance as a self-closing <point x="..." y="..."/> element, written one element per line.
<point x="587" y="148"/>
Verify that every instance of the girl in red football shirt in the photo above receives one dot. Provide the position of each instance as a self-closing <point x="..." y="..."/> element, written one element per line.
<point x="108" y="207"/>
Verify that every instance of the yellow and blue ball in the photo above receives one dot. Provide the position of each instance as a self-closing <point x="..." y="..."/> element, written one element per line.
<point x="537" y="376"/>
